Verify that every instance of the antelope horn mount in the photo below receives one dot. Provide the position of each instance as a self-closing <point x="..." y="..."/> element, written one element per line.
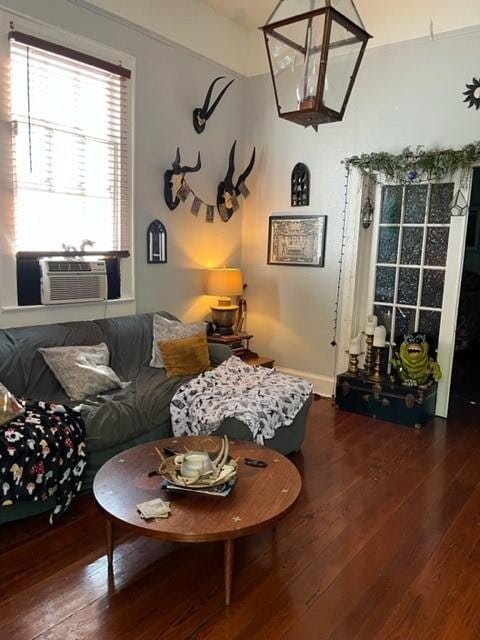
<point x="175" y="179"/>
<point x="202" y="114"/>
<point x="227" y="191"/>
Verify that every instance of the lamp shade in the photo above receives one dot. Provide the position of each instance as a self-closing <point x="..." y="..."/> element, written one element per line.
<point x="224" y="282"/>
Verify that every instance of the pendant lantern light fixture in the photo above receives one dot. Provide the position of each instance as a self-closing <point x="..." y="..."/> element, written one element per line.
<point x="314" y="48"/>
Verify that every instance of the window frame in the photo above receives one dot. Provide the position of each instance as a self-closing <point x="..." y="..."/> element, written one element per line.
<point x="398" y="264"/>
<point x="10" y="313"/>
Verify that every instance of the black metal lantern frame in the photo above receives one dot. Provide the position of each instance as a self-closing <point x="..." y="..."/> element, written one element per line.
<point x="314" y="58"/>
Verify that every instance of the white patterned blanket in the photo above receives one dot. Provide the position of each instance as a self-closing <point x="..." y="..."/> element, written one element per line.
<point x="263" y="399"/>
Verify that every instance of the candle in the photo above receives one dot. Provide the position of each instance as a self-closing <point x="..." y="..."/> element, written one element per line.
<point x="372" y="322"/>
<point x="356" y="346"/>
<point x="379" y="337"/>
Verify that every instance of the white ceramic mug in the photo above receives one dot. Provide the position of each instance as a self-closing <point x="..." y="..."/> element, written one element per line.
<point x="195" y="463"/>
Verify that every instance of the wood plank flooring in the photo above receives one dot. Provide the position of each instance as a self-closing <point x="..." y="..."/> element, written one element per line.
<point x="384" y="543"/>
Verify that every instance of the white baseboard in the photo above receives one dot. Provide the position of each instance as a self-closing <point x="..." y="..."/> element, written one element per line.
<point x="323" y="385"/>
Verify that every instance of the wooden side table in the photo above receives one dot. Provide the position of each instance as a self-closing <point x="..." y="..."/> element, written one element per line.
<point x="255" y="360"/>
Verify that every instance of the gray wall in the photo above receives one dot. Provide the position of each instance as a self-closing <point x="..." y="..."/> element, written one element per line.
<point x="170" y="82"/>
<point x="406" y="94"/>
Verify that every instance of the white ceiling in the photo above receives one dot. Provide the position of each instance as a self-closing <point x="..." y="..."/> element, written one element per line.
<point x="247" y="13"/>
<point x="227" y="30"/>
<point x="387" y="20"/>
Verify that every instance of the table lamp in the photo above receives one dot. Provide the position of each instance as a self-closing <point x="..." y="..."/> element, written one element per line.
<point x="224" y="283"/>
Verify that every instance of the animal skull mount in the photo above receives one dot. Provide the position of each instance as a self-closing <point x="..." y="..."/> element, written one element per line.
<point x="175" y="180"/>
<point x="227" y="191"/>
<point x="202" y="114"/>
<point x="220" y="470"/>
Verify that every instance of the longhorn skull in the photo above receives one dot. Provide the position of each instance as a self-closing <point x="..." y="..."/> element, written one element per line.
<point x="175" y="180"/>
<point x="228" y="192"/>
<point x="202" y="114"/>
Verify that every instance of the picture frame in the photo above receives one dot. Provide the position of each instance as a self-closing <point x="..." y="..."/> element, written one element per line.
<point x="297" y="240"/>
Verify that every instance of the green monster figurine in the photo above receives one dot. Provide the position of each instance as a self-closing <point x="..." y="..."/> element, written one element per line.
<point x="413" y="364"/>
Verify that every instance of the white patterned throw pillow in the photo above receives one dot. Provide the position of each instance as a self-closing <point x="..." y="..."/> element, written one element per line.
<point x="82" y="371"/>
<point x="164" y="329"/>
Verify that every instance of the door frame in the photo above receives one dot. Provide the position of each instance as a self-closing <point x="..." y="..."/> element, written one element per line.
<point x="359" y="259"/>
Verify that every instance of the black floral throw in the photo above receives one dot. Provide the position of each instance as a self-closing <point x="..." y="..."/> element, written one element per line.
<point x="42" y="454"/>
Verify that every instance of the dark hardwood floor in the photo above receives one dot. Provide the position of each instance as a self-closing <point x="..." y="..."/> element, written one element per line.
<point x="384" y="543"/>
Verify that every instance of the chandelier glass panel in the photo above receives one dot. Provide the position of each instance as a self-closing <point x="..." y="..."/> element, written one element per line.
<point x="314" y="49"/>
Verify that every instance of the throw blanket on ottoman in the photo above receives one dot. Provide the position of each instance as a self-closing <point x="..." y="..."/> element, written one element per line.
<point x="261" y="398"/>
<point x="42" y="454"/>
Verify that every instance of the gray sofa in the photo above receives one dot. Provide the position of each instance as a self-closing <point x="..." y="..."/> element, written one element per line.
<point x="122" y="418"/>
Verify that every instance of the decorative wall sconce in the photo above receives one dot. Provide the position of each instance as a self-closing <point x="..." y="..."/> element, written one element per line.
<point x="367" y="213"/>
<point x="156" y="243"/>
<point x="314" y="49"/>
<point x="300" y="195"/>
<point x="368" y="208"/>
<point x="459" y="205"/>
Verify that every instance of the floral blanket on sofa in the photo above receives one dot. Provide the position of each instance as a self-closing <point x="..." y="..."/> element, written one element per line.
<point x="261" y="398"/>
<point x="42" y="454"/>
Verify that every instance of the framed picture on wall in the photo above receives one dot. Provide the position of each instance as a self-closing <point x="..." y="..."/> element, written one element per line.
<point x="297" y="241"/>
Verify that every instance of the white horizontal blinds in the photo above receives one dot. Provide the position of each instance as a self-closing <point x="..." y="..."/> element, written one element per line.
<point x="69" y="126"/>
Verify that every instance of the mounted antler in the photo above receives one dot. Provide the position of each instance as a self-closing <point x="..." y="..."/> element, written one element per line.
<point x="227" y="191"/>
<point x="202" y="114"/>
<point x="175" y="180"/>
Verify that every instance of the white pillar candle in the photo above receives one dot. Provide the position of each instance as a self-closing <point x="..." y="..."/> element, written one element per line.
<point x="372" y="322"/>
<point x="379" y="336"/>
<point x="356" y="346"/>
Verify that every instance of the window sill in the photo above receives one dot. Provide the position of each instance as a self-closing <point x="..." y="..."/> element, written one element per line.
<point x="73" y="254"/>
<point x="15" y="316"/>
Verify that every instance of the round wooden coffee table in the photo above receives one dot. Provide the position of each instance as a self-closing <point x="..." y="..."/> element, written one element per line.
<point x="261" y="496"/>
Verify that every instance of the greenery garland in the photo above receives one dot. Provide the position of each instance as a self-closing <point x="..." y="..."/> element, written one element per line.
<point x="419" y="164"/>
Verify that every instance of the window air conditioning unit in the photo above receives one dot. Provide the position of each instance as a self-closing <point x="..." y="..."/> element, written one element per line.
<point x="70" y="281"/>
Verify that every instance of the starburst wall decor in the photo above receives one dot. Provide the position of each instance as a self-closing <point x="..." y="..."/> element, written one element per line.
<point x="473" y="94"/>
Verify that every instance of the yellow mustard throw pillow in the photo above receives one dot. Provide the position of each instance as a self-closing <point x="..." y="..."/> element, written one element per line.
<point x="185" y="356"/>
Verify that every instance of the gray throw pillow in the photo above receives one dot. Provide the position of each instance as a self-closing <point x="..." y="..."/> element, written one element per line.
<point x="82" y="371"/>
<point x="164" y="329"/>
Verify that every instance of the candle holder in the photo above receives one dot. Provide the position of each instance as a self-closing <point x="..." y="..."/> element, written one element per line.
<point x="353" y="368"/>
<point x="376" y="376"/>
<point x="368" y="365"/>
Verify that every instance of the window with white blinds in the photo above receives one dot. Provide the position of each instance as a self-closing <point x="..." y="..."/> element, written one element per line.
<point x="69" y="115"/>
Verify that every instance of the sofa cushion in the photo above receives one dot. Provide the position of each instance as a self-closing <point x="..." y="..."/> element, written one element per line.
<point x="185" y="356"/>
<point x="12" y="372"/>
<point x="129" y="339"/>
<point x="82" y="371"/>
<point x="120" y="416"/>
<point x="23" y="369"/>
<point x="165" y="329"/>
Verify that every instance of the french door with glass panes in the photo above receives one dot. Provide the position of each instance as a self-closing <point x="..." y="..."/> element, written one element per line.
<point x="416" y="267"/>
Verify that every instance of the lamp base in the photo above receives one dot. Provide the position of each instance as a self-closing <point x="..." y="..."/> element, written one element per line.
<point x="224" y="318"/>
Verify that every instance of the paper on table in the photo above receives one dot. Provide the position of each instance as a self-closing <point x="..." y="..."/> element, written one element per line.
<point x="156" y="508"/>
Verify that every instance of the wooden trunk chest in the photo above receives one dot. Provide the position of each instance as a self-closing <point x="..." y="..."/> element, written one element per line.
<point x="390" y="401"/>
